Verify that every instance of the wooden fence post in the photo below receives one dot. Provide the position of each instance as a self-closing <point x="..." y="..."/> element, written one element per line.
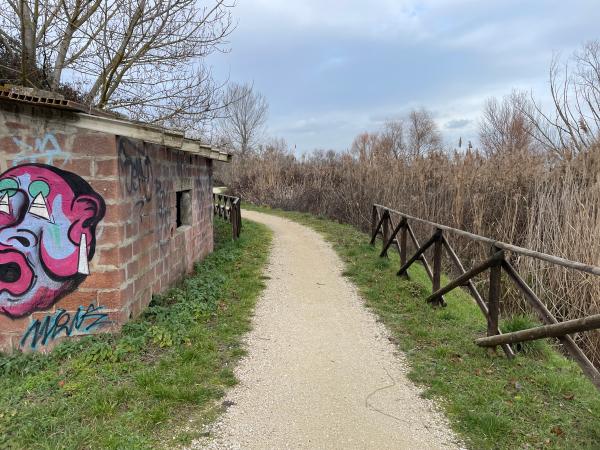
<point x="233" y="211"/>
<point x="403" y="246"/>
<point x="386" y="229"/>
<point x="437" y="264"/>
<point x="239" y="216"/>
<point x="495" y="293"/>
<point x="229" y="209"/>
<point x="373" y="221"/>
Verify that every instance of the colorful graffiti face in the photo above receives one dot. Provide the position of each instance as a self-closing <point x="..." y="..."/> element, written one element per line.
<point x="48" y="221"/>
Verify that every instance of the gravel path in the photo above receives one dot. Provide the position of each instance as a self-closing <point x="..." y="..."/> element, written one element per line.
<point x="321" y="373"/>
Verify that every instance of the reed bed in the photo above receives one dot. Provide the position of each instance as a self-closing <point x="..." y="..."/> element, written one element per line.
<point x="523" y="198"/>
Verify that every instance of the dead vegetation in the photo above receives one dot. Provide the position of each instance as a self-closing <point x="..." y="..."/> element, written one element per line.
<point x="535" y="182"/>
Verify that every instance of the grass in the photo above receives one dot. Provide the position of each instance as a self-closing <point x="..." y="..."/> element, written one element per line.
<point x="538" y="400"/>
<point x="154" y="384"/>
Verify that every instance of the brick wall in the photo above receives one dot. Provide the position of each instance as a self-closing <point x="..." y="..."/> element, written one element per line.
<point x="113" y="197"/>
<point x="154" y="251"/>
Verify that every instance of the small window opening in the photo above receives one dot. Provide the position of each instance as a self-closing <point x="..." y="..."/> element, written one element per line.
<point x="184" y="208"/>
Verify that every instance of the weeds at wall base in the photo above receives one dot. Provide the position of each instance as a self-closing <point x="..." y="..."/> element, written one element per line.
<point x="155" y="383"/>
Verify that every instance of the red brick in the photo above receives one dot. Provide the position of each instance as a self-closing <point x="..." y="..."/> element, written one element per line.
<point x="135" y="309"/>
<point x="108" y="257"/>
<point x="94" y="144"/>
<point x="76" y="299"/>
<point x="9" y="325"/>
<point x="115" y="319"/>
<point x="108" y="189"/>
<point x="148" y="241"/>
<point x="106" y="168"/>
<point x="110" y="233"/>
<point x="116" y="214"/>
<point x="110" y="299"/>
<point x="127" y="293"/>
<point x="8" y="342"/>
<point x="17" y="125"/>
<point x="126" y="253"/>
<point x="105" y="280"/>
<point x="79" y="166"/>
<point x="131" y="230"/>
<point x="8" y="146"/>
<point x="132" y="269"/>
<point x="144" y="260"/>
<point x="156" y="285"/>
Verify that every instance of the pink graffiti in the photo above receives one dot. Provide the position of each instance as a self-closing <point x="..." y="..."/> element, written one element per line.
<point x="48" y="220"/>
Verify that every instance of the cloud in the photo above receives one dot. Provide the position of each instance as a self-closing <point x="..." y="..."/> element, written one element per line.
<point x="379" y="18"/>
<point x="312" y="125"/>
<point x="331" y="68"/>
<point x="457" y="123"/>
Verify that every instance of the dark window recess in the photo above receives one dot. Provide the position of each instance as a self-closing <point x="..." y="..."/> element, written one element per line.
<point x="184" y="208"/>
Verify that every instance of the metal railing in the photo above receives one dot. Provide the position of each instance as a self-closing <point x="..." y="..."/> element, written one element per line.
<point x="395" y="229"/>
<point x="229" y="208"/>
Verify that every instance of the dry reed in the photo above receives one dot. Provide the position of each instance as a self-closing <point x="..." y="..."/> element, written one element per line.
<point x="516" y="197"/>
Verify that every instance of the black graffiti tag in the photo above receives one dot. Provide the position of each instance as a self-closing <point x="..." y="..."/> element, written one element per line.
<point x="136" y="169"/>
<point x="163" y="212"/>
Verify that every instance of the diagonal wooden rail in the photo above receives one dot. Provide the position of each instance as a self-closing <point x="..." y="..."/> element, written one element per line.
<point x="229" y="208"/>
<point x="382" y="221"/>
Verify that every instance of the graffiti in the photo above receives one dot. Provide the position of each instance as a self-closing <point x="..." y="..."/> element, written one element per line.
<point x="136" y="171"/>
<point x="181" y="160"/>
<point x="163" y="212"/>
<point x="139" y="182"/>
<point x="46" y="148"/>
<point x="48" y="220"/>
<point x="62" y="323"/>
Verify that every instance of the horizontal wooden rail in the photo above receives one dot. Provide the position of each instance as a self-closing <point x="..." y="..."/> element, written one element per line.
<point x="465" y="277"/>
<point x="229" y="208"/>
<point x="383" y="221"/>
<point x="594" y="270"/>
<point x="545" y="331"/>
<point x="418" y="254"/>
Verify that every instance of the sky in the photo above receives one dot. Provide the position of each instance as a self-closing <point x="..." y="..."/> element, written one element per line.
<point x="333" y="69"/>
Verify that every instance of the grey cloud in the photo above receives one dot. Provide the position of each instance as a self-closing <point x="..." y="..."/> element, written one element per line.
<point x="457" y="123"/>
<point x="329" y="74"/>
<point x="312" y="126"/>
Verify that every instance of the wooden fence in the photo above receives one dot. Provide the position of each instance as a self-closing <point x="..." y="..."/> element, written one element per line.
<point x="229" y="209"/>
<point x="395" y="229"/>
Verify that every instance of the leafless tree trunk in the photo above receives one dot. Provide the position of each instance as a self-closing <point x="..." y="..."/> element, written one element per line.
<point x="406" y="139"/>
<point x="574" y="124"/>
<point x="423" y="133"/>
<point x="245" y="114"/>
<point x="141" y="57"/>
<point x="505" y="127"/>
<point x="393" y="138"/>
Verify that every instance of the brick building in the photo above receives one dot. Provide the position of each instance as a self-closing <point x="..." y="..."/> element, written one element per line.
<point x="97" y="214"/>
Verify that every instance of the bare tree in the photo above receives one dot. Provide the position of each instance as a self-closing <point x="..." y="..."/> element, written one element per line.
<point x="365" y="147"/>
<point x="506" y="125"/>
<point x="142" y="57"/>
<point x="423" y="133"/>
<point x="245" y="115"/>
<point x="406" y="138"/>
<point x="574" y="124"/>
<point x="393" y="139"/>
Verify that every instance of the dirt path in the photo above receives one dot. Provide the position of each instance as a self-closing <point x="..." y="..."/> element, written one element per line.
<point x="321" y="372"/>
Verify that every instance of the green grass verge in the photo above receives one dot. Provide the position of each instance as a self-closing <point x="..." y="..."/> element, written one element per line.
<point x="538" y="400"/>
<point x="154" y="384"/>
